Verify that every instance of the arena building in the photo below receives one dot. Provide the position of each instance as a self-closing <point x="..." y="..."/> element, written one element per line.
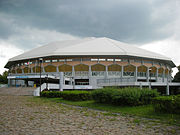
<point x="90" y="63"/>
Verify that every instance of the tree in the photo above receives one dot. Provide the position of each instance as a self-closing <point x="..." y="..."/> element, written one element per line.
<point x="177" y="76"/>
<point x="3" y="77"/>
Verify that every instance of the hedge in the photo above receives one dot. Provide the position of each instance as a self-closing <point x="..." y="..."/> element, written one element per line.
<point x="168" y="104"/>
<point x="125" y="96"/>
<point x="51" y="94"/>
<point x="68" y="95"/>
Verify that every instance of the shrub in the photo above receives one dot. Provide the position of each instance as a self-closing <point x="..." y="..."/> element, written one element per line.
<point x="168" y="104"/>
<point x="68" y="95"/>
<point x="103" y="95"/>
<point x="51" y="94"/>
<point x="76" y="95"/>
<point x="125" y="96"/>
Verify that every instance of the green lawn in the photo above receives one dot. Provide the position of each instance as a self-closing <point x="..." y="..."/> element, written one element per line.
<point x="145" y="111"/>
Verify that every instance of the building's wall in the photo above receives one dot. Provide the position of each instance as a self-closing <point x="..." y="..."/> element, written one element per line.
<point x="140" y="69"/>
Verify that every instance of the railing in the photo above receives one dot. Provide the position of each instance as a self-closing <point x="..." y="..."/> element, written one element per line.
<point x="68" y="74"/>
<point x="81" y="73"/>
<point x="141" y="74"/>
<point x="98" y="73"/>
<point x="152" y="75"/>
<point x="128" y="73"/>
<point x="114" y="73"/>
<point x="160" y="75"/>
<point x="112" y="81"/>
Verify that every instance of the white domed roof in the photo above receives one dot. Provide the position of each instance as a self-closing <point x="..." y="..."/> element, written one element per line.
<point x="88" y="47"/>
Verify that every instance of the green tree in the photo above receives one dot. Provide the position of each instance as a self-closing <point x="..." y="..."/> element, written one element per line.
<point x="3" y="77"/>
<point x="177" y="76"/>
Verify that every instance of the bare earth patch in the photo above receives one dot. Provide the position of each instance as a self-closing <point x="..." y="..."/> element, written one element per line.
<point x="21" y="114"/>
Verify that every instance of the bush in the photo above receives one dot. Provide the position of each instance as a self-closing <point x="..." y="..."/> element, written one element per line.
<point x="51" y="94"/>
<point x="103" y="95"/>
<point x="125" y="96"/>
<point x="76" y="95"/>
<point x="68" y="95"/>
<point x="168" y="104"/>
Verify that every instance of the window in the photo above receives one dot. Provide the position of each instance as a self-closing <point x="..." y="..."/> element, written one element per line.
<point x="125" y="60"/>
<point x="77" y="59"/>
<point x="60" y="60"/>
<point x="150" y="62"/>
<point x="68" y="59"/>
<point x="110" y="59"/>
<point x="54" y="60"/>
<point x="46" y="61"/>
<point x="117" y="59"/>
<point x="86" y="59"/>
<point x="102" y="59"/>
<point x="94" y="59"/>
<point x="138" y="61"/>
<point x="131" y="60"/>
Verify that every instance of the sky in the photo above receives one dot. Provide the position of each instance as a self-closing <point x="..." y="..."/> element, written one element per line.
<point x="150" y="24"/>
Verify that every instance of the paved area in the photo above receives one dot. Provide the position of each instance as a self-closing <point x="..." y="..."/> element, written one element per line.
<point x="26" y="115"/>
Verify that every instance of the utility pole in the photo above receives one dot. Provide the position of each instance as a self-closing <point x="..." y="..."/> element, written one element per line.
<point x="40" y="61"/>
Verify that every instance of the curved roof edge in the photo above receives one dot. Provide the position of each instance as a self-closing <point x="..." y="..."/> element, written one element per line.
<point x="88" y="47"/>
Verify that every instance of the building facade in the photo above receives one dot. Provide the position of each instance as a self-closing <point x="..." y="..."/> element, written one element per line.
<point x="89" y="64"/>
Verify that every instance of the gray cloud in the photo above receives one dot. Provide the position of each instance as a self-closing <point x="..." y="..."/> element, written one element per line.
<point x="136" y="21"/>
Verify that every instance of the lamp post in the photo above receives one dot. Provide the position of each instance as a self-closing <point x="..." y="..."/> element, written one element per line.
<point x="150" y="78"/>
<point x="40" y="61"/>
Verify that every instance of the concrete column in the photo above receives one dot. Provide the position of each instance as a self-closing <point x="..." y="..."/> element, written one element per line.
<point x="167" y="89"/>
<point x="168" y="76"/>
<point x="156" y="74"/>
<point x="9" y="82"/>
<point x="61" y="80"/>
<point x="147" y="77"/>
<point x="57" y="69"/>
<point x="22" y="71"/>
<point x="31" y="70"/>
<point x="106" y="72"/>
<point x="136" y="75"/>
<point x="140" y="85"/>
<point x="163" y="76"/>
<point x="122" y="70"/>
<point x="90" y="72"/>
<point x="90" y="76"/>
<point x="73" y="72"/>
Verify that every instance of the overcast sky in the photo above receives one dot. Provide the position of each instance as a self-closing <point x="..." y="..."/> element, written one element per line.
<point x="151" y="24"/>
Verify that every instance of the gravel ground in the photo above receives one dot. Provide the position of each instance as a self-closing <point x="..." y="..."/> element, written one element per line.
<point x="25" y="115"/>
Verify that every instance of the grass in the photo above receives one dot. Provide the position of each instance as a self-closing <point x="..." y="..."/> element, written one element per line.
<point x="145" y="111"/>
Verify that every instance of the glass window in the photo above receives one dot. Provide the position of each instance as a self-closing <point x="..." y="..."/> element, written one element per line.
<point x="117" y="59"/>
<point x="54" y="60"/>
<point x="61" y="60"/>
<point x="46" y="61"/>
<point x="102" y="59"/>
<point x="86" y="59"/>
<point x="76" y="59"/>
<point x="68" y="59"/>
<point x="131" y="60"/>
<point x="110" y="59"/>
<point x="94" y="59"/>
<point x="138" y="61"/>
<point x="125" y="60"/>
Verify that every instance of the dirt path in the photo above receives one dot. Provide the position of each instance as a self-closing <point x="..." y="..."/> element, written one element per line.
<point x="26" y="115"/>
